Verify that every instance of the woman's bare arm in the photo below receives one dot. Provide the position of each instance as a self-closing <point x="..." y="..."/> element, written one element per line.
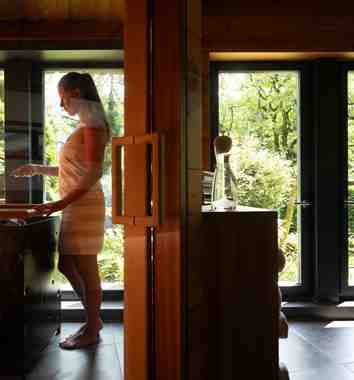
<point x="30" y="170"/>
<point x="52" y="171"/>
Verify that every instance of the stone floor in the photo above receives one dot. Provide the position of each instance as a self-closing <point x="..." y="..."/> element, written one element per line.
<point x="319" y="350"/>
<point x="99" y="362"/>
<point x="313" y="351"/>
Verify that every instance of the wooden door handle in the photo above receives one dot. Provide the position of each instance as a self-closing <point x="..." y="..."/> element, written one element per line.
<point x="118" y="214"/>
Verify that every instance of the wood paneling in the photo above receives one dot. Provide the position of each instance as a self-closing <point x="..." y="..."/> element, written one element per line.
<point x="287" y="32"/>
<point x="168" y="96"/>
<point x="275" y="8"/>
<point x="241" y="260"/>
<point x="137" y="331"/>
<point x="73" y="10"/>
<point x="199" y="314"/>
<point x="60" y="31"/>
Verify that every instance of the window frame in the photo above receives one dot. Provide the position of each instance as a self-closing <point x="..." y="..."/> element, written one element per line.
<point x="70" y="295"/>
<point x="314" y="275"/>
<point x="36" y="69"/>
<point x="346" y="291"/>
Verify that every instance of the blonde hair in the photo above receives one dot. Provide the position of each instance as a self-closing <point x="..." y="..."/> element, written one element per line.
<point x="93" y="110"/>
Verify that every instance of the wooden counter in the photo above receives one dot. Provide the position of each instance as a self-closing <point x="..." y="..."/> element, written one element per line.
<point x="16" y="210"/>
<point x="28" y="293"/>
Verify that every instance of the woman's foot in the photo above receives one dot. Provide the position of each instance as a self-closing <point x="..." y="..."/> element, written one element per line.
<point x="81" y="330"/>
<point x="80" y="341"/>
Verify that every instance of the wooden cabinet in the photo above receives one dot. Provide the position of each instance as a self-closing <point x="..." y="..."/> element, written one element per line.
<point x="233" y="315"/>
<point x="29" y="294"/>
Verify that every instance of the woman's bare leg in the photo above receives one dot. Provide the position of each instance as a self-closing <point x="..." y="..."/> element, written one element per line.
<point x="67" y="266"/>
<point x="87" y="267"/>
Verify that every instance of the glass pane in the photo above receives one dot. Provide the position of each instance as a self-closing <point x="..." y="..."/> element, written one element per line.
<point x="351" y="178"/>
<point x="2" y="137"/>
<point x="58" y="126"/>
<point x="259" y="111"/>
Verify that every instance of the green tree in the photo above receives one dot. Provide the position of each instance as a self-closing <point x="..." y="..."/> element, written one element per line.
<point x="351" y="175"/>
<point x="260" y="112"/>
<point x="110" y="85"/>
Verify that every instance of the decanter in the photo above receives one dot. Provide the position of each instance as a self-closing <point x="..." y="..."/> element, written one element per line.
<point x="224" y="181"/>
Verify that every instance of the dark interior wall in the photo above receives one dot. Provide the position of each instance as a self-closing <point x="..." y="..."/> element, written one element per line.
<point x="277" y="26"/>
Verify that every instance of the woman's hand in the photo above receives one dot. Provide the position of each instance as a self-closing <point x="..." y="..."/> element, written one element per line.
<point x="48" y="208"/>
<point x="28" y="170"/>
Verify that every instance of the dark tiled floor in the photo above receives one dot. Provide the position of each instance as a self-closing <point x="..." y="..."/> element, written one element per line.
<point x="319" y="350"/>
<point x="313" y="351"/>
<point x="100" y="362"/>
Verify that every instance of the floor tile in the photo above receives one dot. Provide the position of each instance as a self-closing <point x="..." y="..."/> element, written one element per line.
<point x="92" y="363"/>
<point x="336" y="342"/>
<point x="349" y="366"/>
<point x="315" y="351"/>
<point x="95" y="363"/>
<point x="311" y="352"/>
<point x="299" y="355"/>
<point x="334" y="372"/>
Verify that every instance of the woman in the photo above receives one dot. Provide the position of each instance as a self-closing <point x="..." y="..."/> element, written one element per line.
<point x="82" y="200"/>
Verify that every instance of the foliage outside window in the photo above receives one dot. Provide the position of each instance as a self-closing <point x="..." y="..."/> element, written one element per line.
<point x="58" y="126"/>
<point x="259" y="111"/>
<point x="2" y="136"/>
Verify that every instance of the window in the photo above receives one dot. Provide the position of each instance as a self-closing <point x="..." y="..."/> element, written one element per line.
<point x="58" y="125"/>
<point x="291" y="123"/>
<point x="259" y="111"/>
<point x="2" y="136"/>
<point x="350" y="205"/>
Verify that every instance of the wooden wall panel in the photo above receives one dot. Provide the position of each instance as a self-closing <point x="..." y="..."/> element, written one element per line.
<point x="278" y="33"/>
<point x="168" y="96"/>
<point x="58" y="9"/>
<point x="10" y="9"/>
<point x="242" y="247"/>
<point x="137" y="331"/>
<point x="200" y="342"/>
<point x="61" y="31"/>
<point x="45" y="10"/>
<point x="276" y="8"/>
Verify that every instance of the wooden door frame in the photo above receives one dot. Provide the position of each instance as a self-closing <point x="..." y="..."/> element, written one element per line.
<point x="153" y="48"/>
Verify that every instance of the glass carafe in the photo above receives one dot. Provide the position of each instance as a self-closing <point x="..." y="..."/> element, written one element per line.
<point x="224" y="182"/>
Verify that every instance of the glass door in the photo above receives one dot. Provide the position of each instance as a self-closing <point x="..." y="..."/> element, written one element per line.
<point x="261" y="108"/>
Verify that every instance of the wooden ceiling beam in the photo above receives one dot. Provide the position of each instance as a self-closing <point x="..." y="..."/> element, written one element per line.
<point x="61" y="31"/>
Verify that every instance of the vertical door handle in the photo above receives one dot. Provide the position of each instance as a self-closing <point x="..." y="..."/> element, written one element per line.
<point x="118" y="214"/>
